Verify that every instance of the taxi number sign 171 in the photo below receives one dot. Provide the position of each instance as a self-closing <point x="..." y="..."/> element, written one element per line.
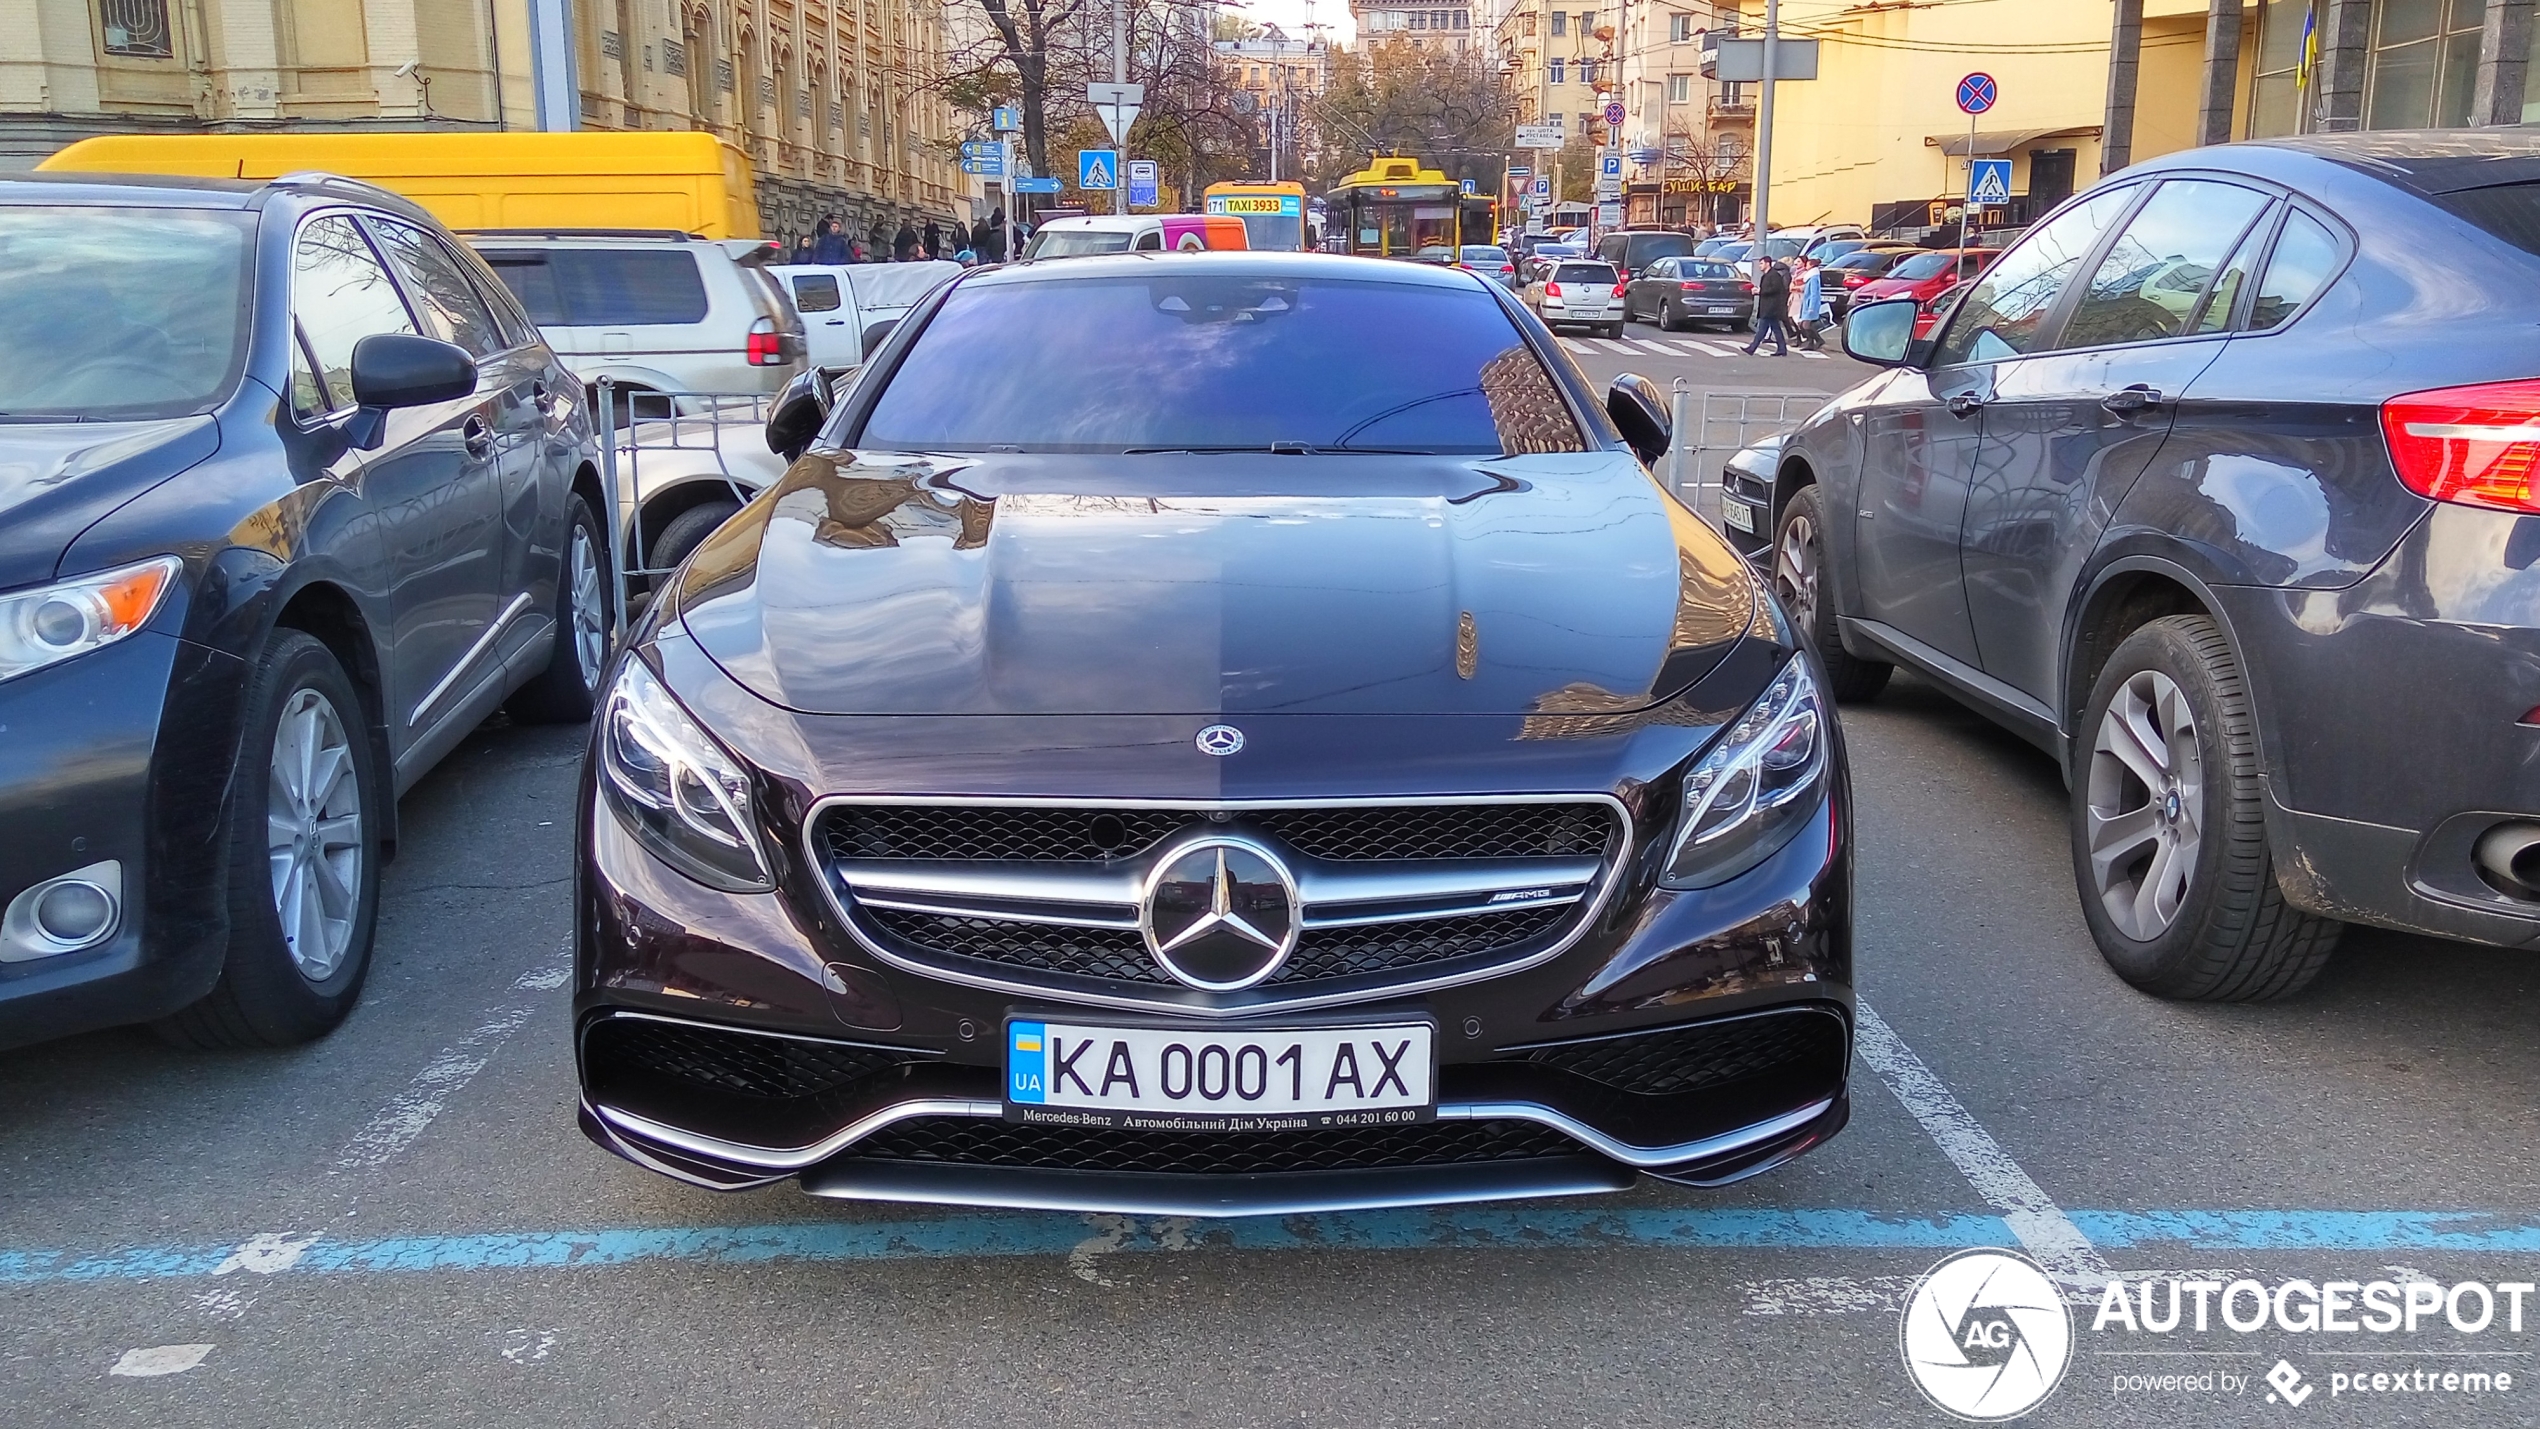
<point x="1188" y="1079"/>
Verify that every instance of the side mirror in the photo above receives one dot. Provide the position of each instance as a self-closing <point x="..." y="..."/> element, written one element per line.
<point x="1881" y="332"/>
<point x="801" y="408"/>
<point x="395" y="369"/>
<point x="873" y="336"/>
<point x="1639" y="410"/>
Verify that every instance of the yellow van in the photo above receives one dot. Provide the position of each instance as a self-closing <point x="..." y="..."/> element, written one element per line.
<point x="684" y="181"/>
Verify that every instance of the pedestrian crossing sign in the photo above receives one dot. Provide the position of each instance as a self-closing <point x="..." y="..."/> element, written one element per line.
<point x="1989" y="183"/>
<point x="1097" y="168"/>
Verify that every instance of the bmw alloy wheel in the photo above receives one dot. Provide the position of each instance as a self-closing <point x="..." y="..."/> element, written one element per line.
<point x="2147" y="805"/>
<point x="1795" y="571"/>
<point x="313" y="834"/>
<point x="590" y="634"/>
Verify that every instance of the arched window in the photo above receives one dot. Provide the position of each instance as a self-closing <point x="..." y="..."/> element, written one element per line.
<point x="745" y="55"/>
<point x="695" y="61"/>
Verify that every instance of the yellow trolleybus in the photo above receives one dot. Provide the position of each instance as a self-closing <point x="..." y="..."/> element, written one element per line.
<point x="1273" y="213"/>
<point x="1395" y="208"/>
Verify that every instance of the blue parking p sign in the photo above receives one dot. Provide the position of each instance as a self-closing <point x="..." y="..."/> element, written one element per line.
<point x="1097" y="168"/>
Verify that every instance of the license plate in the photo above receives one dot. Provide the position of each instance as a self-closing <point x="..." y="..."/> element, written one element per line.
<point x="1191" y="1079"/>
<point x="1723" y="310"/>
<point x="1739" y="514"/>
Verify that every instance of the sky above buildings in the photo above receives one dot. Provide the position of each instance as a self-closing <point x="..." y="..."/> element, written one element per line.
<point x="1290" y="15"/>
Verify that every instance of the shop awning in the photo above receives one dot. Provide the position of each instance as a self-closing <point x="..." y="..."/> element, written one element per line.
<point x="2006" y="141"/>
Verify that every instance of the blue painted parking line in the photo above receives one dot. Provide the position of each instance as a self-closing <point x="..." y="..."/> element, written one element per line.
<point x="1446" y="1229"/>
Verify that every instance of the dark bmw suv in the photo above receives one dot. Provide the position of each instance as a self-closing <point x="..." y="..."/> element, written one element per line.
<point x="1274" y="747"/>
<point x="2220" y="486"/>
<point x="291" y="497"/>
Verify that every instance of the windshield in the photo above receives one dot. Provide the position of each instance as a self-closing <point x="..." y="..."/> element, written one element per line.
<point x="1076" y="242"/>
<point x="1870" y="262"/>
<point x="1474" y="253"/>
<point x="120" y="314"/>
<point x="1923" y="265"/>
<point x="1650" y="247"/>
<point x="1585" y="273"/>
<point x="1220" y="362"/>
<point x="1280" y="232"/>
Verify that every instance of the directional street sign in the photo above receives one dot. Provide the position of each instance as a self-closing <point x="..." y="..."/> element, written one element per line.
<point x="1117" y="104"/>
<point x="1539" y="136"/>
<point x="1989" y="183"/>
<point x="1142" y="181"/>
<point x="1005" y="119"/>
<point x="980" y="149"/>
<point x="1977" y="92"/>
<point x="1098" y="169"/>
<point x="990" y="165"/>
<point x="1518" y="171"/>
<point x="1036" y="186"/>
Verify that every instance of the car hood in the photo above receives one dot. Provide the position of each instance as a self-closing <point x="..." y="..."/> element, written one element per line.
<point x="1215" y="584"/>
<point x="57" y="479"/>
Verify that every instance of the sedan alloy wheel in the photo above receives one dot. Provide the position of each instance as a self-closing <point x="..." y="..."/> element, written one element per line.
<point x="313" y="828"/>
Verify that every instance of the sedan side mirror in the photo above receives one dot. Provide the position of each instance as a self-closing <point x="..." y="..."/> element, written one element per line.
<point x="873" y="336"/>
<point x="1881" y="332"/>
<point x="1639" y="411"/>
<point x="397" y="369"/>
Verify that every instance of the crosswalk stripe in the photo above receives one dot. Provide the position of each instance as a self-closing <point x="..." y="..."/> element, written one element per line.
<point x="1657" y="347"/>
<point x="1612" y="345"/>
<point x="1819" y="356"/>
<point x="1576" y="345"/>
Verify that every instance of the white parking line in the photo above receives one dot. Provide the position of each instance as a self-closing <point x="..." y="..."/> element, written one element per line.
<point x="2049" y="1234"/>
<point x="396" y="1126"/>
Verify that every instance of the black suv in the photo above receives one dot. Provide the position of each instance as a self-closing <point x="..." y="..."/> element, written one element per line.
<point x="294" y="496"/>
<point x="2223" y="486"/>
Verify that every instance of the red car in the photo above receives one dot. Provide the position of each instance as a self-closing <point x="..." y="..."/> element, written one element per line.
<point x="1926" y="276"/>
<point x="1937" y="306"/>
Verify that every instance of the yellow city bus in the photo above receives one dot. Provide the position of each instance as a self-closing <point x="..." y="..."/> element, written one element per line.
<point x="1273" y="213"/>
<point x="692" y="182"/>
<point x="1394" y="208"/>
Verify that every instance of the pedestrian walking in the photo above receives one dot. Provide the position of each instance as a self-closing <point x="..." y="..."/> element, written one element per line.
<point x="831" y="244"/>
<point x="802" y="249"/>
<point x="1812" y="305"/>
<point x="904" y="243"/>
<point x="993" y="250"/>
<point x="932" y="240"/>
<point x="877" y="244"/>
<point x="1772" y="308"/>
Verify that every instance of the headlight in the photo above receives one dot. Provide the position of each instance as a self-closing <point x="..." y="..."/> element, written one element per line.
<point x="674" y="788"/>
<point x="1755" y="788"/>
<point x="47" y="626"/>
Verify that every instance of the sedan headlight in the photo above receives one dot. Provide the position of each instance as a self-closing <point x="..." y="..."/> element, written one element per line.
<point x="1756" y="787"/>
<point x="51" y="624"/>
<point x="675" y="789"/>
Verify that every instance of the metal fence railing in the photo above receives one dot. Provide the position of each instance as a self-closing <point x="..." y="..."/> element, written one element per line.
<point x="1713" y="426"/>
<point x="652" y="440"/>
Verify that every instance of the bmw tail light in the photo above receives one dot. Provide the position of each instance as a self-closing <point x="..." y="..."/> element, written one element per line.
<point x="767" y="345"/>
<point x="2476" y="446"/>
<point x="1552" y="290"/>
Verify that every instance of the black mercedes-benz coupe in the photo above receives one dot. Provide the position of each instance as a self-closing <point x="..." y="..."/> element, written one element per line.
<point x="1214" y="734"/>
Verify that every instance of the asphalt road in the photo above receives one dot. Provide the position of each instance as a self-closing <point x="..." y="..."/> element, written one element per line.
<point x="400" y="1226"/>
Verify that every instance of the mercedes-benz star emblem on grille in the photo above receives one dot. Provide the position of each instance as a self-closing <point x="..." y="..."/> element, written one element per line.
<point x="1220" y="740"/>
<point x="1221" y="914"/>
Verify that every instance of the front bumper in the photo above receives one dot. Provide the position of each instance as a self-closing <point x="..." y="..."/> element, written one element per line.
<point x="735" y="1040"/>
<point x="122" y="754"/>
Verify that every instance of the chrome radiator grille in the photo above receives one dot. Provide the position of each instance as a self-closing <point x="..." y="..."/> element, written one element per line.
<point x="1053" y="896"/>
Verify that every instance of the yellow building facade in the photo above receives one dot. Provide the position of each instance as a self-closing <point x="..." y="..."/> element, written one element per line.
<point x="831" y="99"/>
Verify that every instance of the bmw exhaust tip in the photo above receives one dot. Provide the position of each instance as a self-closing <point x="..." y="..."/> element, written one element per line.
<point x="2508" y="857"/>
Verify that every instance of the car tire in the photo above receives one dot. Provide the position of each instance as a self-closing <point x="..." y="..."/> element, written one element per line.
<point x="1797" y="569"/>
<point x="2169" y="832"/>
<point x="1669" y="320"/>
<point x="305" y="772"/>
<point x="687" y="531"/>
<point x="565" y="691"/>
<point x="1614" y="330"/>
